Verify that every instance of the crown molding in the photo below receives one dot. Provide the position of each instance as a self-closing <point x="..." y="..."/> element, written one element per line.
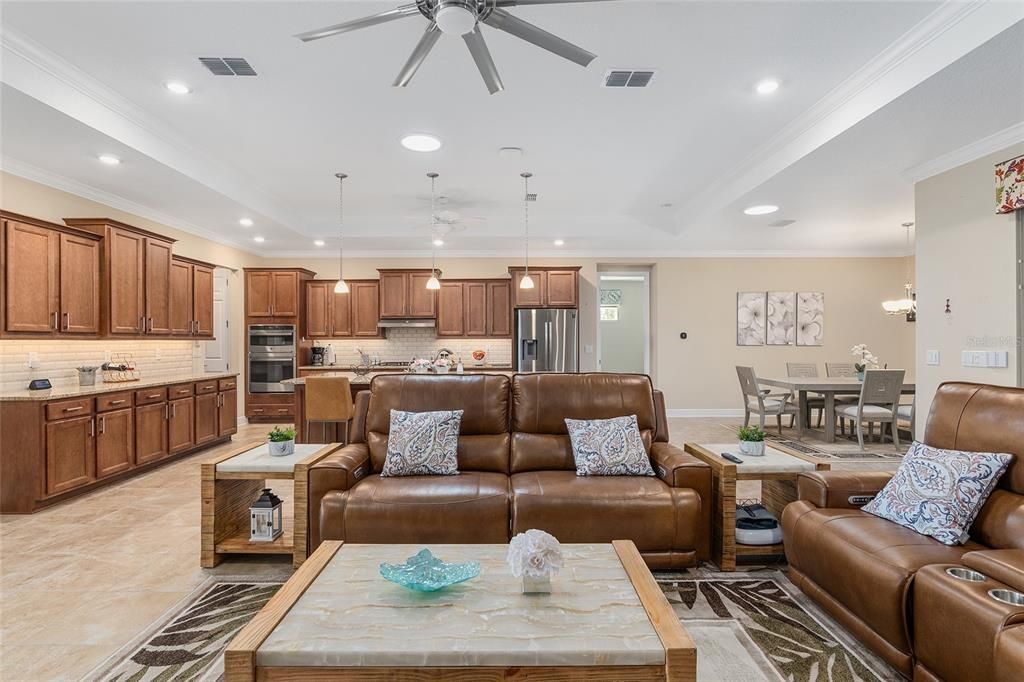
<point x="969" y="152"/>
<point x="609" y="256"/>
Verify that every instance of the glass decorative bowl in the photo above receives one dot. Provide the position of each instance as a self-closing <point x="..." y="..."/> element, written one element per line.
<point x="426" y="573"/>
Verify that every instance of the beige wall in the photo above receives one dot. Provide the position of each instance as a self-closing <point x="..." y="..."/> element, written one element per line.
<point x="966" y="253"/>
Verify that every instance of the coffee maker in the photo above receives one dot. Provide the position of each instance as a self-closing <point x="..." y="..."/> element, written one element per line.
<point x="319" y="352"/>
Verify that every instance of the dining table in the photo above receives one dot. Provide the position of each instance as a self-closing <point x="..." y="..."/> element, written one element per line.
<point x="828" y="388"/>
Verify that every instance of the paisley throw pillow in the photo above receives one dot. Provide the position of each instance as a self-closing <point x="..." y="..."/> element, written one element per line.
<point x="423" y="444"/>
<point x="608" y="447"/>
<point x="939" y="492"/>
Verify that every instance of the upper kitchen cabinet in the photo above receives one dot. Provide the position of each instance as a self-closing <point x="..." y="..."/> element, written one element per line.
<point x="404" y="294"/>
<point x="554" y="287"/>
<point x="51" y="278"/>
<point x="191" y="298"/>
<point x="474" y="308"/>
<point x="275" y="292"/>
<point x="331" y="315"/>
<point x="365" y="302"/>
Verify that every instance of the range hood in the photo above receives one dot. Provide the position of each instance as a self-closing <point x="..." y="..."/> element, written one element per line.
<point x="411" y="323"/>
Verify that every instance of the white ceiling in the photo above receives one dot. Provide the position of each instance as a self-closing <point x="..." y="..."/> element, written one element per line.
<point x="869" y="90"/>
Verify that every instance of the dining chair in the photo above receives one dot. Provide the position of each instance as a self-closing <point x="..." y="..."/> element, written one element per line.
<point x="805" y="370"/>
<point x="907" y="413"/>
<point x="840" y="369"/>
<point x="761" y="400"/>
<point x="878" y="403"/>
<point x="328" y="399"/>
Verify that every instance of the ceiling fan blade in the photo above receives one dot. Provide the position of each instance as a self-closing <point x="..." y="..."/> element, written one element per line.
<point x="482" y="56"/>
<point x="520" y="3"/>
<point x="502" y="20"/>
<point x="356" y="24"/>
<point x="419" y="54"/>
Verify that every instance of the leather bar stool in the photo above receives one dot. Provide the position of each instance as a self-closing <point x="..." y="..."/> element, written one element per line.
<point x="328" y="399"/>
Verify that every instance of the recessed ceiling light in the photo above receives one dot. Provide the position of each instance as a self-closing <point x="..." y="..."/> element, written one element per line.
<point x="767" y="86"/>
<point x="559" y="242"/>
<point x="109" y="159"/>
<point x="319" y="242"/>
<point x="177" y="87"/>
<point x="421" y="143"/>
<point x="245" y="222"/>
<point x="258" y="239"/>
<point x="760" y="209"/>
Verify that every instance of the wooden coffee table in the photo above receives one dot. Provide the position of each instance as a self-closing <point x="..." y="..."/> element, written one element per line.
<point x="337" y="619"/>
<point x="777" y="471"/>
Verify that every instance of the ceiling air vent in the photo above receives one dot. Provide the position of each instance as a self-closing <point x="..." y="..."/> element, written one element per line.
<point x="620" y="78"/>
<point x="228" y="66"/>
<point x="781" y="223"/>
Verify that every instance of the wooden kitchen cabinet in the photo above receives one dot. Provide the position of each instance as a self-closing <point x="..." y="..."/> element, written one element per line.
<point x="180" y="425"/>
<point x="181" y="323"/>
<point x="79" y="285"/>
<point x="150" y="432"/>
<point x="191" y="298"/>
<point x="499" y="308"/>
<point x="562" y="288"/>
<point x="207" y="426"/>
<point x="318" y="309"/>
<point x="451" y="309"/>
<point x="275" y="292"/>
<point x="528" y="298"/>
<point x="259" y="294"/>
<point x="227" y="416"/>
<point x="70" y="454"/>
<point x="554" y="287"/>
<point x="404" y="294"/>
<point x="422" y="301"/>
<point x="115" y="442"/>
<point x="365" y="297"/>
<point x="474" y="308"/>
<point x="394" y="294"/>
<point x="158" y="287"/>
<point x="331" y="315"/>
<point x="341" y="312"/>
<point x="202" y="299"/>
<point x="474" y="296"/>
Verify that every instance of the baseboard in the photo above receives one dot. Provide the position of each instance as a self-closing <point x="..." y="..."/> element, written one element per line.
<point x="242" y="421"/>
<point x="714" y="412"/>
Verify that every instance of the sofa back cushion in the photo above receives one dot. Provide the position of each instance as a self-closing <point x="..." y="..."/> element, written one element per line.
<point x="542" y="402"/>
<point x="483" y="398"/>
<point x="983" y="418"/>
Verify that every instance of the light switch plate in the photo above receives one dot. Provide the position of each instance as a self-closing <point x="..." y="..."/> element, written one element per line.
<point x="932" y="357"/>
<point x="33" y="360"/>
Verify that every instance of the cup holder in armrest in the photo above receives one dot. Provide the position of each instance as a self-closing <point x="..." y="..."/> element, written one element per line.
<point x="966" y="574"/>
<point x="1011" y="597"/>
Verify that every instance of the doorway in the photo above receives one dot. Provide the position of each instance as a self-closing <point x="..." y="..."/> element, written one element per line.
<point x="218" y="351"/>
<point x="624" y="326"/>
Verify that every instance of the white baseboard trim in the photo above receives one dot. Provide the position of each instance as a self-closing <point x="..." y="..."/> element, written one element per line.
<point x="242" y="421"/>
<point x="714" y="412"/>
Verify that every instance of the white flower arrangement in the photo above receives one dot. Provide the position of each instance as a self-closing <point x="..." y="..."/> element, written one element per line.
<point x="534" y="555"/>
<point x="419" y="365"/>
<point x="868" y="360"/>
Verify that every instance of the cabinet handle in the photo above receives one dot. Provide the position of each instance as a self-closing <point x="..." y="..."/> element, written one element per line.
<point x="174" y="410"/>
<point x="116" y="402"/>
<point x="167" y="411"/>
<point x="103" y="424"/>
<point x="74" y="409"/>
<point x="150" y="324"/>
<point x="142" y="324"/>
<point x="56" y="324"/>
<point x="92" y="428"/>
<point x="282" y="409"/>
<point x="257" y="409"/>
<point x="153" y="395"/>
<point x="67" y="321"/>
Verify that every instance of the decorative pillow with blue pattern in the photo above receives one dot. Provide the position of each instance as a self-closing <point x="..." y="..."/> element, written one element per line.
<point x="608" y="447"/>
<point x="939" y="492"/>
<point x="423" y="444"/>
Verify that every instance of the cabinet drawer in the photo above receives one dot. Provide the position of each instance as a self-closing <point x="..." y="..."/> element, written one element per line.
<point x="226" y="384"/>
<point x="69" y="408"/>
<point x="179" y="391"/>
<point x="206" y="387"/>
<point x="113" y="401"/>
<point x="151" y="395"/>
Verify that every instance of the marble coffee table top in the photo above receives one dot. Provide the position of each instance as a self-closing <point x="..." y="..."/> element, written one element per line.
<point x="259" y="460"/>
<point x="351" y="616"/>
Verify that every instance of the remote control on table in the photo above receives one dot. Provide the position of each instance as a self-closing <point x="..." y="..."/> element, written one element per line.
<point x="732" y="458"/>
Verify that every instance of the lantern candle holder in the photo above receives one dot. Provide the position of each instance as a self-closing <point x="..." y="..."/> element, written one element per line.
<point x="266" y="518"/>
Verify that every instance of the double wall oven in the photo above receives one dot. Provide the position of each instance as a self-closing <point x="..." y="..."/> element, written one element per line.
<point x="271" y="358"/>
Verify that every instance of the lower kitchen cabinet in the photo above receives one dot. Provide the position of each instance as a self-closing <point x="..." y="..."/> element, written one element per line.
<point x="115" y="442"/>
<point x="227" y="422"/>
<point x="150" y="432"/>
<point x="207" y="425"/>
<point x="180" y="425"/>
<point x="70" y="454"/>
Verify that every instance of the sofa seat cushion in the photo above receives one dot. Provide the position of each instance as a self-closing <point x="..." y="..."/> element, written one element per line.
<point x="655" y="516"/>
<point x="865" y="562"/>
<point x="471" y="507"/>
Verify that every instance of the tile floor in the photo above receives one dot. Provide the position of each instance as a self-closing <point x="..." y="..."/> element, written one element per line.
<point x="80" y="580"/>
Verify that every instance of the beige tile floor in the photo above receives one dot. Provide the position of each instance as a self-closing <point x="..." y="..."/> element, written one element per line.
<point x="80" y="580"/>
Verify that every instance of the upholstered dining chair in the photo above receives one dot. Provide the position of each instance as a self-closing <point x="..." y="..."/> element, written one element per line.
<point x="878" y="403"/>
<point x="804" y="370"/>
<point x="761" y="401"/>
<point x="328" y="399"/>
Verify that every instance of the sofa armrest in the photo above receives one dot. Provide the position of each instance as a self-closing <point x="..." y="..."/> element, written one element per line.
<point x="1004" y="565"/>
<point x="339" y="470"/>
<point x="682" y="470"/>
<point x="840" y="489"/>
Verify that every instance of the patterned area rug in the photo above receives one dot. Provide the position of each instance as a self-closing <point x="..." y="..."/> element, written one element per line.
<point x="748" y="627"/>
<point x="845" y="448"/>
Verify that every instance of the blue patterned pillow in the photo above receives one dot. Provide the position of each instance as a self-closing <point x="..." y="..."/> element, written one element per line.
<point x="608" y="447"/>
<point x="423" y="444"/>
<point x="939" y="492"/>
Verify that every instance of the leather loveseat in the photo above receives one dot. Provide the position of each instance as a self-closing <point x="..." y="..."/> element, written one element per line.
<point x="516" y="470"/>
<point x="890" y="586"/>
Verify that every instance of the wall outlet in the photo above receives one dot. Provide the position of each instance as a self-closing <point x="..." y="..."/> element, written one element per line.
<point x="932" y="357"/>
<point x="33" y="361"/>
<point x="983" y="358"/>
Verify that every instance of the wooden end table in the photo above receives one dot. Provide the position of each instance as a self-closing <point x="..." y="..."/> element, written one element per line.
<point x="232" y="482"/>
<point x="777" y="471"/>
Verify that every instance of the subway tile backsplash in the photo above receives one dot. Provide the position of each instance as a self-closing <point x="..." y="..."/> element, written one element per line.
<point x="402" y="345"/>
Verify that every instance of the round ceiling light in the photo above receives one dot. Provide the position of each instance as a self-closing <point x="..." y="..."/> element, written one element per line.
<point x="258" y="239"/>
<point x="421" y="143"/>
<point x="455" y="17"/>
<point x="245" y="222"/>
<point x="761" y="209"/>
<point x="109" y="159"/>
<point x="438" y="242"/>
<point x="767" y="86"/>
<point x="319" y="242"/>
<point x="559" y="242"/>
<point x="177" y="87"/>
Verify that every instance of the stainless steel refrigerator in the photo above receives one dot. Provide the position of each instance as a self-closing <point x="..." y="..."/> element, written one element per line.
<point x="546" y="340"/>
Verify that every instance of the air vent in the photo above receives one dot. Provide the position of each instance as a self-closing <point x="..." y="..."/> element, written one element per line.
<point x="228" y="66"/>
<point x="620" y="78"/>
<point x="781" y="223"/>
<point x="531" y="196"/>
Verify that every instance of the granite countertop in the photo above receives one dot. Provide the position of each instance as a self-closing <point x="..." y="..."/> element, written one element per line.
<point x="365" y="380"/>
<point x="392" y="368"/>
<point x="100" y="387"/>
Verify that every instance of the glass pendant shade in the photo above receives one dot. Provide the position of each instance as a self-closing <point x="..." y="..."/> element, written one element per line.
<point x="341" y="287"/>
<point x="433" y="283"/>
<point x="526" y="282"/>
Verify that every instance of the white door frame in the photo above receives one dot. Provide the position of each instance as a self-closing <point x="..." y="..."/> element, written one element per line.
<point x="221" y="325"/>
<point x="645" y="275"/>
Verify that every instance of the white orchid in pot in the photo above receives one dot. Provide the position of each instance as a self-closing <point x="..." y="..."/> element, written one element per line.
<point x="535" y="556"/>
<point x="867" y="359"/>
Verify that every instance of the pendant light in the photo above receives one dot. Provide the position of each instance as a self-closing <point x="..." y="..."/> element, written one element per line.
<point x="341" y="287"/>
<point x="526" y="282"/>
<point x="908" y="304"/>
<point x="433" y="283"/>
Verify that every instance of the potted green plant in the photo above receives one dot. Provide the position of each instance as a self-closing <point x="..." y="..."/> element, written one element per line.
<point x="282" y="441"/>
<point x="751" y="441"/>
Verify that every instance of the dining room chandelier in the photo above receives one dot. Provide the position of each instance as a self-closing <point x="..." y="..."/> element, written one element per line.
<point x="433" y="283"/>
<point x="908" y="304"/>
<point x="341" y="287"/>
<point x="526" y="282"/>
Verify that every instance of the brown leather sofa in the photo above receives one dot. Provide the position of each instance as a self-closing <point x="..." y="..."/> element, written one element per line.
<point x="888" y="585"/>
<point x="516" y="470"/>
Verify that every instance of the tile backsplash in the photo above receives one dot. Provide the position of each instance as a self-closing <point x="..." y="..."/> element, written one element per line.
<point x="57" y="359"/>
<point x="402" y="345"/>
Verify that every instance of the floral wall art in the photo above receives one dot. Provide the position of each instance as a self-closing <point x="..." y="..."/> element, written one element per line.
<point x="1010" y="185"/>
<point x="750" y="317"/>
<point x="810" y="318"/>
<point x="781" y="318"/>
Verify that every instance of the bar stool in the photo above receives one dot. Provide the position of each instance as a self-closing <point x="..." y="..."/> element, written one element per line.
<point x="328" y="399"/>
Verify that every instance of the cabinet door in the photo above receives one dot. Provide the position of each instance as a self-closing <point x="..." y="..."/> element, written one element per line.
<point x="562" y="288"/>
<point x="394" y="294"/>
<point x="126" y="281"/>
<point x="70" y="454"/>
<point x="206" y="426"/>
<point x="227" y="422"/>
<point x="115" y="442"/>
<point x="181" y="298"/>
<point x="475" y="297"/>
<point x="529" y="298"/>
<point x="180" y="426"/>
<point x="318" y="320"/>
<point x="202" y="300"/>
<point x="259" y="294"/>
<point x="422" y="301"/>
<point x="158" y="287"/>
<point x="341" y="312"/>
<point x="150" y="432"/>
<point x="365" y="308"/>
<point x="451" y="309"/>
<point x="79" y="285"/>
<point x="32" y="257"/>
<point x="286" y="294"/>
<point x="499" y="309"/>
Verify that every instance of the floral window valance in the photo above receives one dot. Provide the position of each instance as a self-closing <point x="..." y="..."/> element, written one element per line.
<point x="1010" y="185"/>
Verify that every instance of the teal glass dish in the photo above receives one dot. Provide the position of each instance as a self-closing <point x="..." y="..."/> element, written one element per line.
<point x="424" y="572"/>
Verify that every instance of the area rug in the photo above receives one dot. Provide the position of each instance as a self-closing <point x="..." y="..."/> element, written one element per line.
<point x="748" y="627"/>
<point x="845" y="448"/>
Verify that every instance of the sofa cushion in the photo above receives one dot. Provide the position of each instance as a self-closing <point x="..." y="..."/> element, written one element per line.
<point x="423" y="444"/>
<point x="573" y="508"/>
<point x="608" y="447"/>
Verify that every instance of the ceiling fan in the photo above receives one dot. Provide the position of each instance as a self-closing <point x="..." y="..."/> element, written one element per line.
<point x="463" y="18"/>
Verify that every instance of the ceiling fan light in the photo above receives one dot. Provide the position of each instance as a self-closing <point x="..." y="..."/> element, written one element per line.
<point x="455" y="17"/>
<point x="341" y="287"/>
<point x="526" y="282"/>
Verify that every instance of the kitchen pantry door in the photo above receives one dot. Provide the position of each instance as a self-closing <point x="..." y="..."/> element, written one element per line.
<point x="218" y="351"/>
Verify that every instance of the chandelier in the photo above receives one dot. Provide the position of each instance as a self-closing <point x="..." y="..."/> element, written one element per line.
<point x="908" y="304"/>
